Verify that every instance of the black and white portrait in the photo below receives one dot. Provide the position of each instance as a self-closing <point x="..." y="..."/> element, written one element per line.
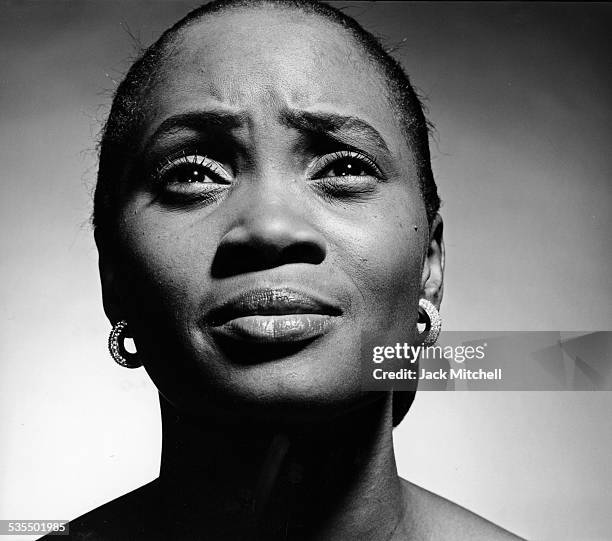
<point x="233" y="233"/>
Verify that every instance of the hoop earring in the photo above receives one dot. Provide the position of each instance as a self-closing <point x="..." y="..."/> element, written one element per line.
<point x="429" y="315"/>
<point x="117" y="349"/>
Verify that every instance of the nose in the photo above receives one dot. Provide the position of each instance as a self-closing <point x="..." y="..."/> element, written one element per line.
<point x="268" y="234"/>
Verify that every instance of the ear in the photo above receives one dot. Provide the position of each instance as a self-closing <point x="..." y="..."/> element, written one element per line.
<point x="432" y="279"/>
<point x="107" y="265"/>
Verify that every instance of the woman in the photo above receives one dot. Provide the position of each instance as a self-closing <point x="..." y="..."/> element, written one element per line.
<point x="265" y="197"/>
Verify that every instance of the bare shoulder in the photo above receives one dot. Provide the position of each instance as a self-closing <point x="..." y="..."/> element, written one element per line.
<point x="436" y="519"/>
<point x="131" y="516"/>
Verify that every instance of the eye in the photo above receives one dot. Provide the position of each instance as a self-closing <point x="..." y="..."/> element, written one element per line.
<point x="191" y="168"/>
<point x="346" y="163"/>
<point x="346" y="175"/>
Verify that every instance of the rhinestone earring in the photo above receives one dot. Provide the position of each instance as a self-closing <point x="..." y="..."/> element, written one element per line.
<point x="117" y="349"/>
<point x="429" y="315"/>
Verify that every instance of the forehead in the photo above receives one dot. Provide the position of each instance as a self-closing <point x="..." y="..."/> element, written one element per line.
<point x="266" y="57"/>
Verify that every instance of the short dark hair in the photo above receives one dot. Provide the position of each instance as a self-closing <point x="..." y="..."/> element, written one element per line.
<point x="117" y="144"/>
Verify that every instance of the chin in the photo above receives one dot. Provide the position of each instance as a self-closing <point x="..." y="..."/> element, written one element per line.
<point x="307" y="386"/>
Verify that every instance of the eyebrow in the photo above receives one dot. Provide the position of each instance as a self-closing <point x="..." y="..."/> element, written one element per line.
<point x="323" y="123"/>
<point x="219" y="119"/>
<point x="319" y="123"/>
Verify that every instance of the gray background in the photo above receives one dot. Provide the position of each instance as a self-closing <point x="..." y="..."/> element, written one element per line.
<point x="520" y="95"/>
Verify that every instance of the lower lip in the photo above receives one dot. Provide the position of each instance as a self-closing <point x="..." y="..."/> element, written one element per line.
<point x="278" y="328"/>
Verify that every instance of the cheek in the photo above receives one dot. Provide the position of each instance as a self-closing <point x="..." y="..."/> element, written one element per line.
<point x="382" y="252"/>
<point x="167" y="264"/>
<point x="166" y="268"/>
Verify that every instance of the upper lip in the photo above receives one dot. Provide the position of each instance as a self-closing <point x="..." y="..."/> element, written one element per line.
<point x="271" y="301"/>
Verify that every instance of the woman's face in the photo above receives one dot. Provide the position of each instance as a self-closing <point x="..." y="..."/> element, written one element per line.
<point x="273" y="216"/>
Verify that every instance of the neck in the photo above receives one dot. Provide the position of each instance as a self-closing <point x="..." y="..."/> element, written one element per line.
<point x="330" y="481"/>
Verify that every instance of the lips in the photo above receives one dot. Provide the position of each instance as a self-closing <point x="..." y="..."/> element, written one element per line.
<point x="274" y="315"/>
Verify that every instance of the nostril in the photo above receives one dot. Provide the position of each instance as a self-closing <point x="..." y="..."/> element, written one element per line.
<point x="233" y="258"/>
<point x="237" y="258"/>
<point x="302" y="252"/>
